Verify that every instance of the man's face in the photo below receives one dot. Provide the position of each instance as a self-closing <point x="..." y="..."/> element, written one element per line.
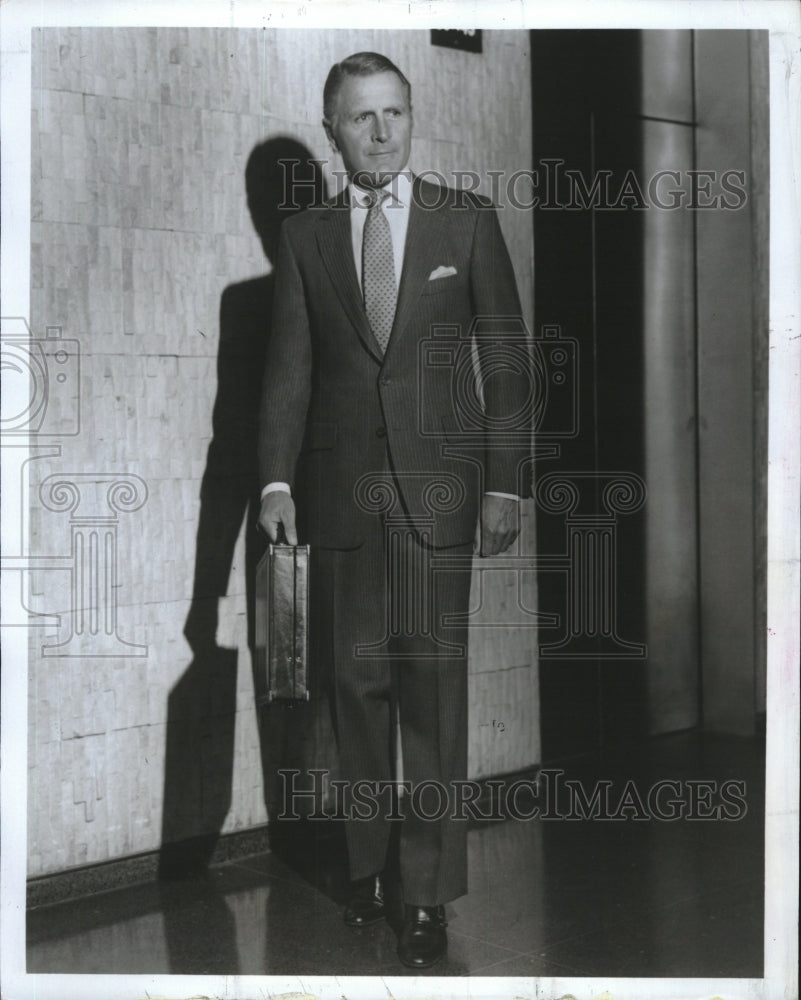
<point x="372" y="127"/>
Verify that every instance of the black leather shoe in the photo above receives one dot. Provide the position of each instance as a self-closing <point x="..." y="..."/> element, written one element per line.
<point x="423" y="940"/>
<point x="366" y="904"/>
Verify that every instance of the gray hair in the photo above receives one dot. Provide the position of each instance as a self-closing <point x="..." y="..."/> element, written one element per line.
<point x="359" y="64"/>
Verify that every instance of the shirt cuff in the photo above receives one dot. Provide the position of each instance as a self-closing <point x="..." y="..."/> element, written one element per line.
<point x="508" y="496"/>
<point x="276" y="488"/>
<point x="284" y="488"/>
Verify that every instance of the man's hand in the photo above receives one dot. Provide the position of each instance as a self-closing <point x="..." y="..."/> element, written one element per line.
<point x="278" y="508"/>
<point x="498" y="526"/>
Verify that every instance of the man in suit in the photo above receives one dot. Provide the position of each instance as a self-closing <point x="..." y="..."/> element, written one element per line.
<point x="360" y="428"/>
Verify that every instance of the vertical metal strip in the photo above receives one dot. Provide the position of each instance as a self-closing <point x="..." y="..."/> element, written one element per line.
<point x="697" y="390"/>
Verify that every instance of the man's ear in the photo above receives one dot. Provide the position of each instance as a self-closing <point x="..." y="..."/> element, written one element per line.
<point x="330" y="134"/>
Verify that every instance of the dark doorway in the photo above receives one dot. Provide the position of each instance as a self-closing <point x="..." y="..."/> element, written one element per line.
<point x="588" y="282"/>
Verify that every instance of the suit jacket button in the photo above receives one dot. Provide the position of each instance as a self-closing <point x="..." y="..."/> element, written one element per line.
<point x="381" y="432"/>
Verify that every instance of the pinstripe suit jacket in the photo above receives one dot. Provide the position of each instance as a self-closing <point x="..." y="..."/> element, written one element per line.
<point x="333" y="407"/>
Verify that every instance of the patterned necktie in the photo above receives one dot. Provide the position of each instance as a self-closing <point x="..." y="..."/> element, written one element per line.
<point x="378" y="271"/>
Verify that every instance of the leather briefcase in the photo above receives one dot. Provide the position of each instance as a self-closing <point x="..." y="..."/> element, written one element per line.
<point x="282" y="624"/>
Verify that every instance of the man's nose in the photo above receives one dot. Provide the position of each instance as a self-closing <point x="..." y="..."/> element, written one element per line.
<point x="381" y="132"/>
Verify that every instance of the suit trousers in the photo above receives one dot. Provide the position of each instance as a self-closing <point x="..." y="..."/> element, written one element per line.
<point x="378" y="615"/>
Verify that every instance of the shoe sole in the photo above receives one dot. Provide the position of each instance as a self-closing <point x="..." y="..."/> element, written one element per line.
<point x="421" y="965"/>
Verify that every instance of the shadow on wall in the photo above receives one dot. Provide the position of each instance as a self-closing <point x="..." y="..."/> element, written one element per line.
<point x="202" y="706"/>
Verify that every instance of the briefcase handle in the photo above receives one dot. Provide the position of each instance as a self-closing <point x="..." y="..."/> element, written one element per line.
<point x="283" y="544"/>
<point x="280" y="538"/>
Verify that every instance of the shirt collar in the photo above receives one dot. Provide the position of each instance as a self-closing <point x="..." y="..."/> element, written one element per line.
<point x="399" y="187"/>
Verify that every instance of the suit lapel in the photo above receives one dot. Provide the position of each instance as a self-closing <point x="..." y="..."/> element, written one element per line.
<point x="423" y="241"/>
<point x="336" y="249"/>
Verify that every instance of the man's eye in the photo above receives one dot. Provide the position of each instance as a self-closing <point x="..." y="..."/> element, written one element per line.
<point x="361" y="118"/>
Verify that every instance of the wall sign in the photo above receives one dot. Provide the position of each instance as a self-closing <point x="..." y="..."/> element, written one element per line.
<point x="468" y="40"/>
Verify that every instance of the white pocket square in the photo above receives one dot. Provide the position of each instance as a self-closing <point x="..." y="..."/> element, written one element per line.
<point x="441" y="272"/>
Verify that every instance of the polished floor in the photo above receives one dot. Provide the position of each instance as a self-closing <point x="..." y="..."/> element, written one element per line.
<point x="636" y="895"/>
